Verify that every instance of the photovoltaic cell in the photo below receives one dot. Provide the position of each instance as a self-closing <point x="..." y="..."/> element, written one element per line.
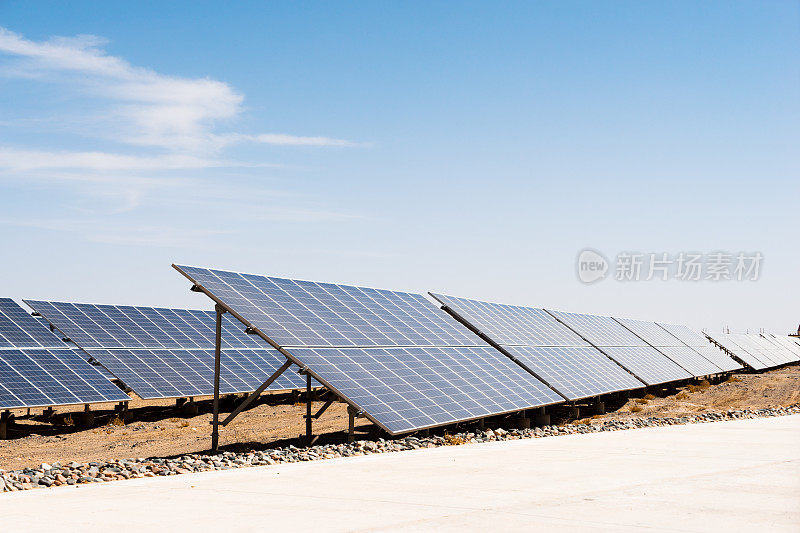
<point x="787" y="343"/>
<point x="671" y="346"/>
<point x="700" y="343"/>
<point x="752" y="344"/>
<point x="407" y="389"/>
<point x="619" y="343"/>
<point x="37" y="369"/>
<point x="751" y="359"/>
<point x="544" y="346"/>
<point x="778" y="354"/>
<point x="167" y="353"/>
<point x="391" y="354"/>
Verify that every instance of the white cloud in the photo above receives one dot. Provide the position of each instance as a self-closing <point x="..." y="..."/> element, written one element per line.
<point x="178" y="114"/>
<point x="27" y="160"/>
<point x="162" y="180"/>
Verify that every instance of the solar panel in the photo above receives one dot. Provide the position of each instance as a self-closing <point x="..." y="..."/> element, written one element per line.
<point x="752" y="344"/>
<point x="671" y="346"/>
<point x="38" y="370"/>
<point x="790" y="349"/>
<point x="168" y="353"/>
<point x="700" y="343"/>
<point x="619" y="343"/>
<point x="753" y="360"/>
<point x="787" y="343"/>
<point x="392" y="355"/>
<point x="777" y="353"/>
<point x="544" y="346"/>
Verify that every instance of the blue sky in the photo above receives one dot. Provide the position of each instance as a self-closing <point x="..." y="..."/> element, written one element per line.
<point x="472" y="149"/>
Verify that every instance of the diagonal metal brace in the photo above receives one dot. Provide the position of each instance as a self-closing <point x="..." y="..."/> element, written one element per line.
<point x="323" y="408"/>
<point x="247" y="401"/>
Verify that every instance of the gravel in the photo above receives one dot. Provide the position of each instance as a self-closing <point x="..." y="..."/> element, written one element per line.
<point x="55" y="474"/>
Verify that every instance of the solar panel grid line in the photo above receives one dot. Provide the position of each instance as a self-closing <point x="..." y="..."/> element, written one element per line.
<point x="475" y="329"/>
<point x="361" y="304"/>
<point x="368" y="320"/>
<point x="669" y="345"/>
<point x="168" y="348"/>
<point x="788" y="344"/>
<point x="775" y="348"/>
<point x="542" y="345"/>
<point x="753" y="348"/>
<point x="724" y="341"/>
<point x="13" y="334"/>
<point x="433" y="389"/>
<point x="777" y="353"/>
<point x="792" y="351"/>
<point x="642" y="360"/>
<point x="701" y="344"/>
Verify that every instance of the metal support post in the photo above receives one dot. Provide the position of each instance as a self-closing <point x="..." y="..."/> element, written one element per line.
<point x="5" y="420"/>
<point x="309" y="420"/>
<point x="351" y="425"/>
<point x="217" y="356"/>
<point x="242" y="406"/>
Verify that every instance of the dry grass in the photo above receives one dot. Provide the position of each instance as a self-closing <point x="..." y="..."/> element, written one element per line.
<point x="635" y="408"/>
<point x="642" y="401"/>
<point x="67" y="421"/>
<point x="184" y="424"/>
<point x="453" y="441"/>
<point x="649" y="397"/>
<point x="683" y="395"/>
<point x="116" y="421"/>
<point x="733" y="379"/>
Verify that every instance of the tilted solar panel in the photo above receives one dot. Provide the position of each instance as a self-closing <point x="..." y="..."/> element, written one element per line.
<point x="755" y="347"/>
<point x="787" y="343"/>
<point x="619" y="343"/>
<point x="753" y="360"/>
<point x="392" y="355"/>
<point x="700" y="343"/>
<point x="790" y="350"/>
<point x="168" y="353"/>
<point x="544" y="346"/>
<point x="671" y="346"/>
<point x="37" y="369"/>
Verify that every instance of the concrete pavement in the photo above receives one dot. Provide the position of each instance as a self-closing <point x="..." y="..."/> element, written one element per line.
<point x="726" y="476"/>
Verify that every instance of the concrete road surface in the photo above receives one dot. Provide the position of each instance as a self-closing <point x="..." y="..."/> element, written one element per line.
<point x="726" y="476"/>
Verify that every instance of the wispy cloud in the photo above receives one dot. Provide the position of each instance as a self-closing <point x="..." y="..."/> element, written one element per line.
<point x="152" y="109"/>
<point x="155" y="172"/>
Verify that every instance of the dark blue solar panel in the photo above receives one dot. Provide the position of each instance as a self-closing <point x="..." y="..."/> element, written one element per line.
<point x="406" y="389"/>
<point x="18" y="329"/>
<point x="392" y="354"/>
<point x="671" y="346"/>
<point x="306" y="313"/>
<point x="629" y="350"/>
<point x="38" y="369"/>
<point x="163" y="353"/>
<point x="545" y="346"/>
<point x="172" y="373"/>
<point x="44" y="377"/>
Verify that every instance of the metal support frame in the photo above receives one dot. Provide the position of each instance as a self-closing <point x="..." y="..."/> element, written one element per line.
<point x="5" y="420"/>
<point x="309" y="419"/>
<point x="217" y="356"/>
<point x="351" y="425"/>
<point x="247" y="401"/>
<point x="324" y="408"/>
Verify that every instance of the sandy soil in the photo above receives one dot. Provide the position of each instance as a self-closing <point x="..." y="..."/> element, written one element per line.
<point x="158" y="428"/>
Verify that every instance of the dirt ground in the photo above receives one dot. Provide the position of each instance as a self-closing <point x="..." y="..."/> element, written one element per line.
<point x="159" y="428"/>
